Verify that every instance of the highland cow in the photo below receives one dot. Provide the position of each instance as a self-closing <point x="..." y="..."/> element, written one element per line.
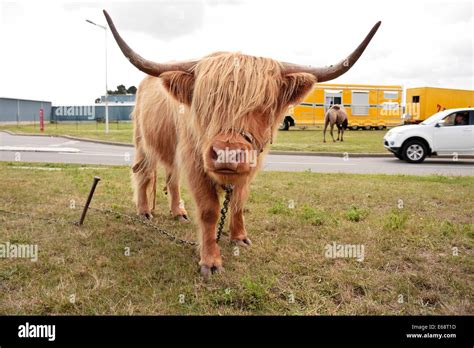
<point x="188" y="113"/>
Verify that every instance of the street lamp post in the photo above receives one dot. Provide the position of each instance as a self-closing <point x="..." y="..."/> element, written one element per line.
<point x="106" y="88"/>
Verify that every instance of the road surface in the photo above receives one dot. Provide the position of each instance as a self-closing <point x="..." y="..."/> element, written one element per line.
<point x="62" y="150"/>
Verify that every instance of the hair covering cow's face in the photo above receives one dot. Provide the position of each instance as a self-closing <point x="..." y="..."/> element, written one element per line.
<point x="235" y="103"/>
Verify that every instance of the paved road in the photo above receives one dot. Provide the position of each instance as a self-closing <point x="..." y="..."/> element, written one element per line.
<point x="63" y="150"/>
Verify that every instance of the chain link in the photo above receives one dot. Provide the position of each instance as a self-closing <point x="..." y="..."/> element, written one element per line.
<point x="225" y="207"/>
<point x="146" y="223"/>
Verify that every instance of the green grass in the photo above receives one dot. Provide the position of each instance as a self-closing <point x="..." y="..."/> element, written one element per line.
<point x="294" y="140"/>
<point x="291" y="217"/>
<point x="121" y="132"/>
<point x="312" y="140"/>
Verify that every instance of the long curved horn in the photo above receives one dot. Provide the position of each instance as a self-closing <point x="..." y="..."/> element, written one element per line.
<point x="147" y="66"/>
<point x="333" y="71"/>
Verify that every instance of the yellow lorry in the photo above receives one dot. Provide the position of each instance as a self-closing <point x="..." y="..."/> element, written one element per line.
<point x="375" y="106"/>
<point x="423" y="102"/>
<point x="367" y="106"/>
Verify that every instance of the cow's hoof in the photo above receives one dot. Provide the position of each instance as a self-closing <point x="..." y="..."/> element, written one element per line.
<point x="246" y="242"/>
<point x="147" y="216"/>
<point x="183" y="218"/>
<point x="206" y="271"/>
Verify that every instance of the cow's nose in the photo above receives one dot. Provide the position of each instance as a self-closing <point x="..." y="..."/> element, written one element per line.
<point x="226" y="157"/>
<point x="214" y="153"/>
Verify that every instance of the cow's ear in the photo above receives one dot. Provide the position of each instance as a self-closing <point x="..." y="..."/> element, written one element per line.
<point x="180" y="85"/>
<point x="295" y="87"/>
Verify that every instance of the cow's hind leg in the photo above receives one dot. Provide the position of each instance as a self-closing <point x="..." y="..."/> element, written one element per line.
<point x="143" y="182"/>
<point x="172" y="187"/>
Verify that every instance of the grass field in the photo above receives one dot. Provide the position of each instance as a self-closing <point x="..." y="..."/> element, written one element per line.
<point x="417" y="234"/>
<point x="293" y="140"/>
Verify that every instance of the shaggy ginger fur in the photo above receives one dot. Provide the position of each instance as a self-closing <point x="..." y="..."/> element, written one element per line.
<point x="180" y="115"/>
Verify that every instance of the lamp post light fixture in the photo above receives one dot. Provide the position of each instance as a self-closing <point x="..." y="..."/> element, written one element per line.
<point x="106" y="88"/>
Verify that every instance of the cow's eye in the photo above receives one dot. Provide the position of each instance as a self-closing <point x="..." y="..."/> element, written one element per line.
<point x="247" y="137"/>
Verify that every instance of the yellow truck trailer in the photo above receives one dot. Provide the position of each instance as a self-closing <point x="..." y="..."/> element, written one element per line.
<point x="423" y="102"/>
<point x="368" y="106"/>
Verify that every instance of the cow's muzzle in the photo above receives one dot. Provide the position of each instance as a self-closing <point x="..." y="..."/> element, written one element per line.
<point x="231" y="157"/>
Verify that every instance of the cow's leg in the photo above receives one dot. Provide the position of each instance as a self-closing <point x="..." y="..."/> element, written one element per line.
<point x="143" y="176"/>
<point x="172" y="186"/>
<point x="238" y="233"/>
<point x="331" y="130"/>
<point x="143" y="179"/>
<point x="207" y="213"/>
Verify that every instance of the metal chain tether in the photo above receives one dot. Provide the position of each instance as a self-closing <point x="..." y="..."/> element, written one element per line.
<point x="225" y="207"/>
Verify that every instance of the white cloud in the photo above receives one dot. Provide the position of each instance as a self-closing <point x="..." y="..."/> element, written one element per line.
<point x="50" y="52"/>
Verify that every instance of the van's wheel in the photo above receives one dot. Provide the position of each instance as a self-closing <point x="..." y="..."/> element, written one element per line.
<point x="354" y="127"/>
<point x="414" y="151"/>
<point x="285" y="125"/>
<point x="380" y="127"/>
<point x="367" y="127"/>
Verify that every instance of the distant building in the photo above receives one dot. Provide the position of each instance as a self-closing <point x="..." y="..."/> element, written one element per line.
<point x="13" y="110"/>
<point x="119" y="98"/>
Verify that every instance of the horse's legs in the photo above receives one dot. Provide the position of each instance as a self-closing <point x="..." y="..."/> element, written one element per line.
<point x="342" y="133"/>
<point x="338" y="132"/>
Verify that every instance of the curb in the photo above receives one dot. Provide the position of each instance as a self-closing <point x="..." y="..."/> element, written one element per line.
<point x="89" y="140"/>
<point x="275" y="152"/>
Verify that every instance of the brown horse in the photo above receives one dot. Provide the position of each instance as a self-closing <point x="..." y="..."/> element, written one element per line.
<point x="336" y="115"/>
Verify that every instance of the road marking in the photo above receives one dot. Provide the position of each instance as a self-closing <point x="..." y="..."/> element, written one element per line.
<point x="71" y="142"/>
<point x="54" y="168"/>
<point x="314" y="163"/>
<point x="98" y="154"/>
<point x="37" y="168"/>
<point x="38" y="149"/>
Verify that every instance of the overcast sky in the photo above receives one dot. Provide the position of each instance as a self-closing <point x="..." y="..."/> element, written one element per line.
<point x="48" y="51"/>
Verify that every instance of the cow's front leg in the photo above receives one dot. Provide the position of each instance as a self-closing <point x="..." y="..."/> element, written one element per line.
<point x="211" y="259"/>
<point x="238" y="233"/>
<point x="207" y="214"/>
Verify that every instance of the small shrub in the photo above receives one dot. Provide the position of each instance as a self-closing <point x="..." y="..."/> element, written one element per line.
<point x="315" y="217"/>
<point x="279" y="208"/>
<point x="356" y="214"/>
<point x="396" y="220"/>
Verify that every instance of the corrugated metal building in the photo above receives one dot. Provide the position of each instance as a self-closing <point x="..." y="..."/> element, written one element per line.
<point x="23" y="110"/>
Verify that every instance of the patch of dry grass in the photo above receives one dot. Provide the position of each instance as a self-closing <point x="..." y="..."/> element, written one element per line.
<point x="408" y="251"/>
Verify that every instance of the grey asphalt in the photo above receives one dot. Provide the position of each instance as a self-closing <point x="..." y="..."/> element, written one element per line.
<point x="62" y="150"/>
